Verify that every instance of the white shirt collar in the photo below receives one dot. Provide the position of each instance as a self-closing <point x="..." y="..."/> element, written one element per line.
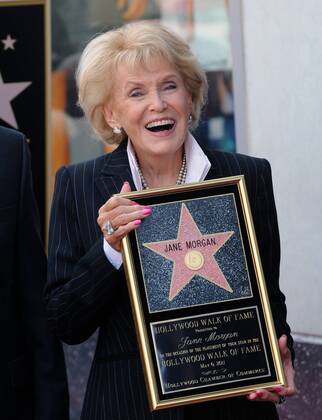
<point x="198" y="164"/>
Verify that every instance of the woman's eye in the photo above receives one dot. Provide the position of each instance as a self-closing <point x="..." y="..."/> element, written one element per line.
<point x="135" y="93"/>
<point x="170" y="86"/>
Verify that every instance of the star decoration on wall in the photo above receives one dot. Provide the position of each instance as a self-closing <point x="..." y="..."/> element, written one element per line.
<point x="9" y="43"/>
<point x="192" y="253"/>
<point x="8" y="91"/>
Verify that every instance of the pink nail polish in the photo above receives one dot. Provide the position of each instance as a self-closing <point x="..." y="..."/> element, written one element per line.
<point x="146" y="211"/>
<point x="259" y="393"/>
<point x="137" y="222"/>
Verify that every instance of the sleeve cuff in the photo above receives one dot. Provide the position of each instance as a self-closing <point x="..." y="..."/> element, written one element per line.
<point x="113" y="256"/>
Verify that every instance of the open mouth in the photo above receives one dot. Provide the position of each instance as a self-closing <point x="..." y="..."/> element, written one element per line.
<point x="162" y="125"/>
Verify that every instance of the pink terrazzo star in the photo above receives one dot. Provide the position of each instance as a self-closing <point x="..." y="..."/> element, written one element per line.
<point x="192" y="254"/>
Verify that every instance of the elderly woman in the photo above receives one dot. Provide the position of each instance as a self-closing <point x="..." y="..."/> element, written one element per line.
<point x="141" y="87"/>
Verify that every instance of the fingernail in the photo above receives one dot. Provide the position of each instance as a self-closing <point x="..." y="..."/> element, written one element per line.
<point x="146" y="211"/>
<point x="137" y="222"/>
<point x="259" y="393"/>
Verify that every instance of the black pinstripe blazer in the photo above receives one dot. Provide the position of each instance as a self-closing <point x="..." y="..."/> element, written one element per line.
<point x="85" y="291"/>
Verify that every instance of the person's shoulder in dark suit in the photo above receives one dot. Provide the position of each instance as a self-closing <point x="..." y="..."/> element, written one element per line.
<point x="33" y="382"/>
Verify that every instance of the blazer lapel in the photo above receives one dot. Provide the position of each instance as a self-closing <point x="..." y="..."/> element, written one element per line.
<point x="216" y="170"/>
<point x="115" y="171"/>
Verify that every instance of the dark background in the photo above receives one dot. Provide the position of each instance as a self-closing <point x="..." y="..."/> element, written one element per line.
<point x="27" y="63"/>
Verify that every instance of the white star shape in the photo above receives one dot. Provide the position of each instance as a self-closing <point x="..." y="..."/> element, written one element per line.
<point x="8" y="91"/>
<point x="9" y="43"/>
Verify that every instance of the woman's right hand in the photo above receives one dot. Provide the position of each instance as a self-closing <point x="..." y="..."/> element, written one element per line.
<point x="123" y="214"/>
<point x="278" y="394"/>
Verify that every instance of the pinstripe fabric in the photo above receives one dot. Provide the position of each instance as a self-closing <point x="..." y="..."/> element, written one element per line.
<point x="85" y="292"/>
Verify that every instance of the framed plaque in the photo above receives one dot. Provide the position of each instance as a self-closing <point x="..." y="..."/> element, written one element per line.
<point x="198" y="295"/>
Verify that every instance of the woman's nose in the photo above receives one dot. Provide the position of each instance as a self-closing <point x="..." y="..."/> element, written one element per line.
<point x="157" y="102"/>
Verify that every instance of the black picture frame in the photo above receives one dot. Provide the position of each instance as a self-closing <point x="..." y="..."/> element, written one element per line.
<point x="198" y="295"/>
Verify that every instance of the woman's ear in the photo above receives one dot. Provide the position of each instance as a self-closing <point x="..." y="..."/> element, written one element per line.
<point x="190" y="104"/>
<point x="109" y="116"/>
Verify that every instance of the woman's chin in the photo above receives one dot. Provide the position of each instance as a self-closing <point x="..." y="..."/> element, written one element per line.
<point x="163" y="151"/>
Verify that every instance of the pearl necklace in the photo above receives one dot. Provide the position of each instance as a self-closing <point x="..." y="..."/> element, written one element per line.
<point x="181" y="177"/>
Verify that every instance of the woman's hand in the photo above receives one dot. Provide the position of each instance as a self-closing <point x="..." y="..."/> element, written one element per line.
<point x="123" y="215"/>
<point x="277" y="393"/>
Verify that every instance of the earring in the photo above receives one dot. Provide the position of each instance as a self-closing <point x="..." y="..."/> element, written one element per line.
<point x="190" y="119"/>
<point x="117" y="130"/>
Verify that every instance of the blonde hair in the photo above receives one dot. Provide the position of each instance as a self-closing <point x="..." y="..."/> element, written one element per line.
<point x="132" y="44"/>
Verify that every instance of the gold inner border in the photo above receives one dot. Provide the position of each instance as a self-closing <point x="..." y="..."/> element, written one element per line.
<point x="242" y="244"/>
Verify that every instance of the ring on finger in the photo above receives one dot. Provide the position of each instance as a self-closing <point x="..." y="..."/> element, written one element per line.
<point x="108" y="228"/>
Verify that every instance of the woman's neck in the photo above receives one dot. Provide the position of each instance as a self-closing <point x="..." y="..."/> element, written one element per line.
<point x="163" y="171"/>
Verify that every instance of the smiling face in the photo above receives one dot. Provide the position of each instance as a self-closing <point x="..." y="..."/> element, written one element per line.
<point x="152" y="106"/>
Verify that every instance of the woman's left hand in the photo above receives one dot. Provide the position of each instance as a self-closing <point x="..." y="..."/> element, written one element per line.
<point x="278" y="393"/>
